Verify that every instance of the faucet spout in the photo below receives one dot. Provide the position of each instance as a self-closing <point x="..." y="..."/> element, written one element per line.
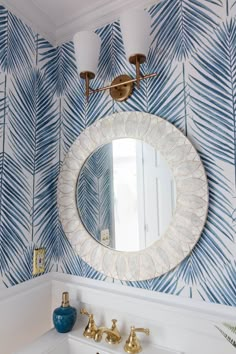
<point x="100" y="332"/>
<point x="113" y="335"/>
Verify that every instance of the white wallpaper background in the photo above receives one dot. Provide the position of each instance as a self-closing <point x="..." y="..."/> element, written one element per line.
<point x="43" y="110"/>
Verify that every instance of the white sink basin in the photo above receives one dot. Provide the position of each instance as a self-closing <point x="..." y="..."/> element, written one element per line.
<point x="74" y="343"/>
<point x="72" y="346"/>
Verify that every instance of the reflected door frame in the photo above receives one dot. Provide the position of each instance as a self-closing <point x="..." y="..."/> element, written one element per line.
<point x="156" y="194"/>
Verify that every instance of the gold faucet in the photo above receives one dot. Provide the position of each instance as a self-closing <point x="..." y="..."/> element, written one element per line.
<point x="91" y="328"/>
<point x="132" y="344"/>
<point x="113" y="335"/>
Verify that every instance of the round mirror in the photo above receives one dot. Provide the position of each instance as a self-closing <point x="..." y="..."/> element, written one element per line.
<point x="126" y="195"/>
<point x="189" y="206"/>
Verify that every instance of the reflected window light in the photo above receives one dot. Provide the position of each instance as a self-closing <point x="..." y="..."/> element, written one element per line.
<point x="125" y="186"/>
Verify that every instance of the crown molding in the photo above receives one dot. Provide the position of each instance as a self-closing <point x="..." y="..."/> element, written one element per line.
<point x="96" y="16"/>
<point x="33" y="17"/>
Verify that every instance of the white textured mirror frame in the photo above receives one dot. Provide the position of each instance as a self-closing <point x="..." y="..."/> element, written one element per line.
<point x="191" y="201"/>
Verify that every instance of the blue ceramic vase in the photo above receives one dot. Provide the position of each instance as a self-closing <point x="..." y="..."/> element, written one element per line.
<point x="64" y="317"/>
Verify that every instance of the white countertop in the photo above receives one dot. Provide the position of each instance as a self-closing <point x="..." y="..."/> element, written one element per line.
<point x="69" y="343"/>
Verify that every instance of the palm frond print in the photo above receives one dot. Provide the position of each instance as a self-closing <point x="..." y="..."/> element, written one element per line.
<point x="17" y="47"/>
<point x="214" y="98"/>
<point x="180" y="26"/>
<point x="43" y="110"/>
<point x="94" y="194"/>
<point x="59" y="66"/>
<point x="14" y="199"/>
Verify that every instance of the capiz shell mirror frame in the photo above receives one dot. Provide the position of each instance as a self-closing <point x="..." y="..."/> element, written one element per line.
<point x="190" y="213"/>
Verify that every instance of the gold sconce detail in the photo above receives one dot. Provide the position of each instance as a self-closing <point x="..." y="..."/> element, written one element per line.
<point x="135" y="28"/>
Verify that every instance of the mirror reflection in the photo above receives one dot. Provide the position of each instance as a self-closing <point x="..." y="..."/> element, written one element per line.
<point x="126" y="195"/>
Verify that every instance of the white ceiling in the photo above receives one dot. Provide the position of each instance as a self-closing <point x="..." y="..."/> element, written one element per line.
<point x="58" y="20"/>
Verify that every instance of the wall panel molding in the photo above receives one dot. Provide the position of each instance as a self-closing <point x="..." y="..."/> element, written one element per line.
<point x="174" y="322"/>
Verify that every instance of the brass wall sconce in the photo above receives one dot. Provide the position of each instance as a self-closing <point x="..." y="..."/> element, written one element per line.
<point x="135" y="28"/>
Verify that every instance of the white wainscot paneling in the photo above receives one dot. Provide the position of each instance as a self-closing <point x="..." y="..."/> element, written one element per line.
<point x="25" y="313"/>
<point x="175" y="323"/>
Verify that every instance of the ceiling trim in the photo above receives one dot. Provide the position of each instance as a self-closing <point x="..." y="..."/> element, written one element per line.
<point x="32" y="17"/>
<point x="98" y="17"/>
<point x="103" y="13"/>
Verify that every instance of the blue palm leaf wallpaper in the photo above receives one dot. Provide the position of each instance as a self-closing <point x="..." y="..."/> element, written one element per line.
<point x="43" y="110"/>
<point x="16" y="43"/>
<point x="95" y="192"/>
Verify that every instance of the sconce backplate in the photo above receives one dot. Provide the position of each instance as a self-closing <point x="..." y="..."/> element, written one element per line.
<point x="122" y="92"/>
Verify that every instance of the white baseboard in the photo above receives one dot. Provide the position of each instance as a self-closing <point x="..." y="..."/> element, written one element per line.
<point x="181" y="324"/>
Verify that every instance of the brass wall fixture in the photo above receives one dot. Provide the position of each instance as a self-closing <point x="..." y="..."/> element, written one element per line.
<point x="132" y="345"/>
<point x="135" y="27"/>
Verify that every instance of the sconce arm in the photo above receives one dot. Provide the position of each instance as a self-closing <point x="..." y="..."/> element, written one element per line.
<point x="122" y="83"/>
